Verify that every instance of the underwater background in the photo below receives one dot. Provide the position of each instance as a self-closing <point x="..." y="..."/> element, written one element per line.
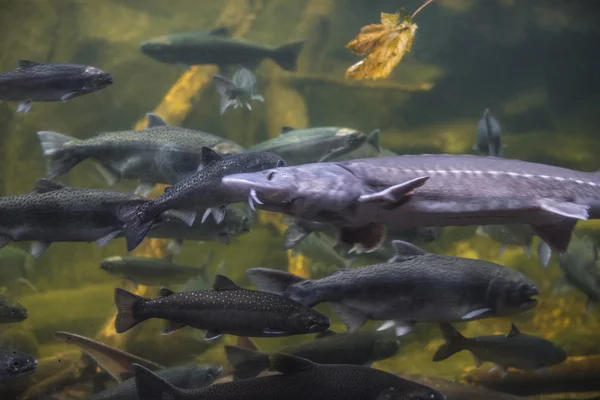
<point x="533" y="63"/>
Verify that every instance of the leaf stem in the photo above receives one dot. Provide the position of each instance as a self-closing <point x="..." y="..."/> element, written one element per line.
<point x="420" y="8"/>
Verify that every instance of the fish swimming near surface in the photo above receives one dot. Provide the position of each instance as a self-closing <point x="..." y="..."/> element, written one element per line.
<point x="303" y="146"/>
<point x="10" y="310"/>
<point x="489" y="137"/>
<point x="239" y="91"/>
<point x="580" y="267"/>
<point x="54" y="212"/>
<point x="228" y="309"/>
<point x="200" y="190"/>
<point x="414" y="286"/>
<point x="363" y="198"/>
<point x="358" y="348"/>
<point x="15" y="363"/>
<point x="37" y="82"/>
<point x="299" y="379"/>
<point x="516" y="349"/>
<point x="160" y="153"/>
<point x="218" y="47"/>
<point x="516" y="235"/>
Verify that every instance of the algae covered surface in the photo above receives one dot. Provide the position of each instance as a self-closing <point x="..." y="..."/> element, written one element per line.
<point x="533" y="64"/>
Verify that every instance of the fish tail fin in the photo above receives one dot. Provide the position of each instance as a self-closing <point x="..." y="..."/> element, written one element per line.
<point x="125" y="302"/>
<point x="151" y="386"/>
<point x="287" y="55"/>
<point x="246" y="363"/>
<point x="55" y="146"/>
<point x="454" y="342"/>
<point x="138" y="221"/>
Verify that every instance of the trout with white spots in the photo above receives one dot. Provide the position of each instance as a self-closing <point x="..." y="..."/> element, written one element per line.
<point x="362" y="197"/>
<point x="228" y="309"/>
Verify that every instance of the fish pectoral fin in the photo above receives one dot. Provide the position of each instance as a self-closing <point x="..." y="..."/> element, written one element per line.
<point x="475" y="313"/>
<point x="544" y="253"/>
<point x="38" y="248"/>
<point x="104" y="240"/>
<point x="353" y="319"/>
<point x="273" y="331"/>
<point x="218" y="214"/>
<point x="110" y="175"/>
<point x="363" y="239"/>
<point x="396" y="193"/>
<point x="224" y="283"/>
<point x="293" y="236"/>
<point x="69" y="95"/>
<point x="557" y="236"/>
<point x="211" y="335"/>
<point x="405" y="250"/>
<point x="171" y="327"/>
<point x="288" y="364"/>
<point x="186" y="216"/>
<point x="565" y="209"/>
<point x="24" y="106"/>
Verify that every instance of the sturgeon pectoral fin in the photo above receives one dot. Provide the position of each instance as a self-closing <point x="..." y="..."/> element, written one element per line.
<point x="365" y="238"/>
<point x="396" y="193"/>
<point x="565" y="209"/>
<point x="544" y="253"/>
<point x="557" y="236"/>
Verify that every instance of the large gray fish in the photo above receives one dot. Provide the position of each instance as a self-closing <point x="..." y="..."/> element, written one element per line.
<point x="17" y="266"/>
<point x="150" y="271"/>
<point x="362" y="197"/>
<point x="489" y="137"/>
<point x="238" y="91"/>
<point x="218" y="47"/>
<point x="580" y="268"/>
<point x="160" y="153"/>
<point x="15" y="363"/>
<point x="516" y="349"/>
<point x="10" y="310"/>
<point x="300" y="379"/>
<point x="56" y="213"/>
<point x="200" y="190"/>
<point x="184" y="376"/>
<point x="303" y="146"/>
<point x="33" y="82"/>
<point x="415" y="286"/>
<point x="228" y="309"/>
<point x="358" y="348"/>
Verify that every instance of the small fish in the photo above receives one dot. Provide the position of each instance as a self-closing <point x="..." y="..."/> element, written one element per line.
<point x="415" y="286"/>
<point x="218" y="47"/>
<point x="118" y="363"/>
<point x="160" y="153"/>
<point x="35" y="82"/>
<point x="185" y="377"/>
<point x="303" y="146"/>
<point x="11" y="311"/>
<point x="358" y="348"/>
<point x="299" y="379"/>
<point x="199" y="190"/>
<point x="84" y="215"/>
<point x="15" y="363"/>
<point x="489" y="138"/>
<point x="516" y="235"/>
<point x="516" y="349"/>
<point x="16" y="267"/>
<point x="239" y="91"/>
<point x="580" y="268"/>
<point x="228" y="309"/>
<point x="321" y="248"/>
<point x="150" y="271"/>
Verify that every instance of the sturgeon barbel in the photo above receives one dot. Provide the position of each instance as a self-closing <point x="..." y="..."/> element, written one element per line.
<point x="362" y="197"/>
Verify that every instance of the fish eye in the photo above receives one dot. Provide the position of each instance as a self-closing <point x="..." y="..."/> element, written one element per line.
<point x="280" y="164"/>
<point x="270" y="175"/>
<point x="15" y="363"/>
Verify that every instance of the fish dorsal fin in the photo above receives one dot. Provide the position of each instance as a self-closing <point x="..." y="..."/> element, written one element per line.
<point x="46" y="185"/>
<point x="27" y="63"/>
<point x="164" y="292"/>
<point x="246" y="343"/>
<point x="288" y="364"/>
<point x="155" y="120"/>
<point x="325" y="334"/>
<point x="221" y="31"/>
<point x="209" y="155"/>
<point x="224" y="283"/>
<point x="286" y="129"/>
<point x="513" y="331"/>
<point x="404" y="250"/>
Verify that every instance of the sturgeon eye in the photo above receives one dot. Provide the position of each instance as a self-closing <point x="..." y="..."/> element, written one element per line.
<point x="280" y="164"/>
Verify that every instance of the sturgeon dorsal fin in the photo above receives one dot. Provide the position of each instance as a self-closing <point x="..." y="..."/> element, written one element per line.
<point x="513" y="331"/>
<point x="164" y="292"/>
<point x="288" y="364"/>
<point x="224" y="283"/>
<point x="221" y="31"/>
<point x="45" y="185"/>
<point x="155" y="120"/>
<point x="27" y="63"/>
<point x="404" y="250"/>
<point x="209" y="156"/>
<point x="286" y="129"/>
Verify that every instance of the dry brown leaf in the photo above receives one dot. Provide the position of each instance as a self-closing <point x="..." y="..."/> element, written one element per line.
<point x="384" y="45"/>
